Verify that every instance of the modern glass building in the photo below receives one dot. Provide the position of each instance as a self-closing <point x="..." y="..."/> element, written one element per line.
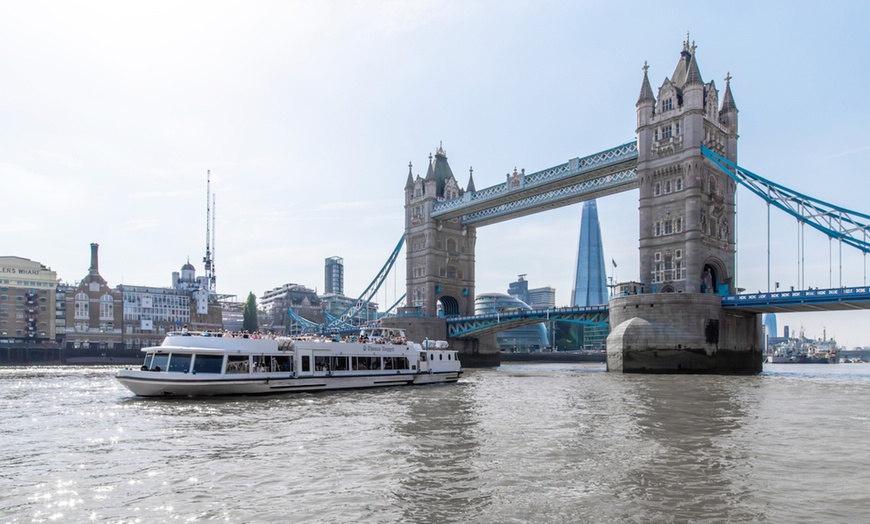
<point x="333" y="281"/>
<point x="769" y="322"/>
<point x="522" y="339"/>
<point x="590" y="275"/>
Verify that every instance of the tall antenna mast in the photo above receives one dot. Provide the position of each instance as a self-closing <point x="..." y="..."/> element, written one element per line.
<point x="207" y="260"/>
<point x="213" y="281"/>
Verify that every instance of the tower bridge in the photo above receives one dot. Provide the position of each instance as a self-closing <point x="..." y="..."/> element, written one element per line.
<point x="684" y="166"/>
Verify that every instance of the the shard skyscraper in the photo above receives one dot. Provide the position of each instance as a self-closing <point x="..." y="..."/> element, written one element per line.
<point x="590" y="273"/>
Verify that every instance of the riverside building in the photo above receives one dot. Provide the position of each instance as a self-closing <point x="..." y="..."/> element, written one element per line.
<point x="27" y="302"/>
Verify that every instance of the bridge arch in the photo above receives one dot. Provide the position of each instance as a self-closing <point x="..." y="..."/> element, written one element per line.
<point x="713" y="275"/>
<point x="449" y="306"/>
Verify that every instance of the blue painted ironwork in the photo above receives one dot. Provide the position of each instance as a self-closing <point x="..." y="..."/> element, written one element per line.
<point x="627" y="177"/>
<point x="370" y="292"/>
<point x="306" y="325"/>
<point x="477" y="325"/>
<point x="851" y="227"/>
<point x="834" y="299"/>
<point x="394" y="306"/>
<point x="603" y="173"/>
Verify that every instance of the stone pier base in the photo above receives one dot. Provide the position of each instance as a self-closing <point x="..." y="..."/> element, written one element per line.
<point x="682" y="333"/>
<point x="473" y="353"/>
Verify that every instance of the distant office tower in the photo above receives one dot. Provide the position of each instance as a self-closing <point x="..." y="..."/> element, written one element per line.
<point x="334" y="276"/>
<point x="519" y="289"/>
<point x="590" y="276"/>
<point x="770" y="325"/>
<point x="537" y="298"/>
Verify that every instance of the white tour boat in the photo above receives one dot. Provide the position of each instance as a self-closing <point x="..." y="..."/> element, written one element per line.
<point x="211" y="364"/>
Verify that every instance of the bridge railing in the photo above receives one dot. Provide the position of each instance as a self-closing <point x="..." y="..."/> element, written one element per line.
<point x="798" y="295"/>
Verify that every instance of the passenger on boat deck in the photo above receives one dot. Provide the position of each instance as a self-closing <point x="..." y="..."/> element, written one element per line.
<point x="184" y="330"/>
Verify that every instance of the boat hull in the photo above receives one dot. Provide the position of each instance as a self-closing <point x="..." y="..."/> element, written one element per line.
<point x="150" y="384"/>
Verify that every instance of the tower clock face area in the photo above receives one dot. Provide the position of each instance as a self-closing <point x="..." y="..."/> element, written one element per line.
<point x="686" y="206"/>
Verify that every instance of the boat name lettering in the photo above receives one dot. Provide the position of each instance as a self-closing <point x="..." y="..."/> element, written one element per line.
<point x="386" y="349"/>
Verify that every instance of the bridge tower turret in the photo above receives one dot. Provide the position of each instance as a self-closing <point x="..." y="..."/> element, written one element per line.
<point x="686" y="206"/>
<point x="439" y="253"/>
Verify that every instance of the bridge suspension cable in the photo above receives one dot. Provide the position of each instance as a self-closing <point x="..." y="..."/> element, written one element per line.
<point x="370" y="292"/>
<point x="845" y="225"/>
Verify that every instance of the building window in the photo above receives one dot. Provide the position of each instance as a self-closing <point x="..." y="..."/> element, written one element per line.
<point x="107" y="311"/>
<point x="81" y="306"/>
<point x="658" y="256"/>
<point x="679" y="183"/>
<point x="677" y="129"/>
<point x="669" y="227"/>
<point x="679" y="224"/>
<point x="678" y="253"/>
<point x="658" y="230"/>
<point x="667" y="186"/>
<point x="667" y="104"/>
<point x="666" y="132"/>
<point x="658" y="188"/>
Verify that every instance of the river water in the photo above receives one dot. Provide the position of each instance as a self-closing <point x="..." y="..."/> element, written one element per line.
<point x="522" y="443"/>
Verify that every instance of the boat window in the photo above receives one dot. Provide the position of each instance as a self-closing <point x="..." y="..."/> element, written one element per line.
<point x="440" y="356"/>
<point x="208" y="363"/>
<point x="366" y="363"/>
<point x="180" y="363"/>
<point x="306" y="364"/>
<point x="338" y="364"/>
<point x="159" y="362"/>
<point x="262" y="363"/>
<point x="449" y="356"/>
<point x="282" y="363"/>
<point x="321" y="364"/>
<point x="396" y="363"/>
<point x="148" y="358"/>
<point x="237" y="364"/>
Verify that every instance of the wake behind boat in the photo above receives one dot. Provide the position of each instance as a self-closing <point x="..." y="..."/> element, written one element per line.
<point x="205" y="364"/>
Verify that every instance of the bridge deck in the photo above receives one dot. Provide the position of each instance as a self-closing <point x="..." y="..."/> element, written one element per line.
<point x="836" y="299"/>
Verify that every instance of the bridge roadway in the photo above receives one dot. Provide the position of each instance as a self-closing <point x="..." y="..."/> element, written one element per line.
<point x="489" y="323"/>
<point x="834" y="299"/>
<point x="810" y="300"/>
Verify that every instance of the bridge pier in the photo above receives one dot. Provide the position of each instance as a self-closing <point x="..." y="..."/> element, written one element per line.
<point x="473" y="352"/>
<point x="682" y="333"/>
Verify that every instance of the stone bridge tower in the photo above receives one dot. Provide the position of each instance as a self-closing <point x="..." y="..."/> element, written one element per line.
<point x="686" y="206"/>
<point x="686" y="237"/>
<point x="440" y="253"/>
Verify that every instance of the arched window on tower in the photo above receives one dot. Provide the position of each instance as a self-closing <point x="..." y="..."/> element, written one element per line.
<point x="452" y="246"/>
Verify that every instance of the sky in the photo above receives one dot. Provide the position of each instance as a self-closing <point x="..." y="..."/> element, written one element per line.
<point x="307" y="114"/>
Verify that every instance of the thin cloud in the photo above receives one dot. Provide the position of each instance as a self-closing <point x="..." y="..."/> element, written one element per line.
<point x="849" y="152"/>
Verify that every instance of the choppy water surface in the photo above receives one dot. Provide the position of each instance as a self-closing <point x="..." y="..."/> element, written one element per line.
<point x="522" y="443"/>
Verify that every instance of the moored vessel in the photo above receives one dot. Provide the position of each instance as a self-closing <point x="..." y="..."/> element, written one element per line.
<point x="207" y="364"/>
